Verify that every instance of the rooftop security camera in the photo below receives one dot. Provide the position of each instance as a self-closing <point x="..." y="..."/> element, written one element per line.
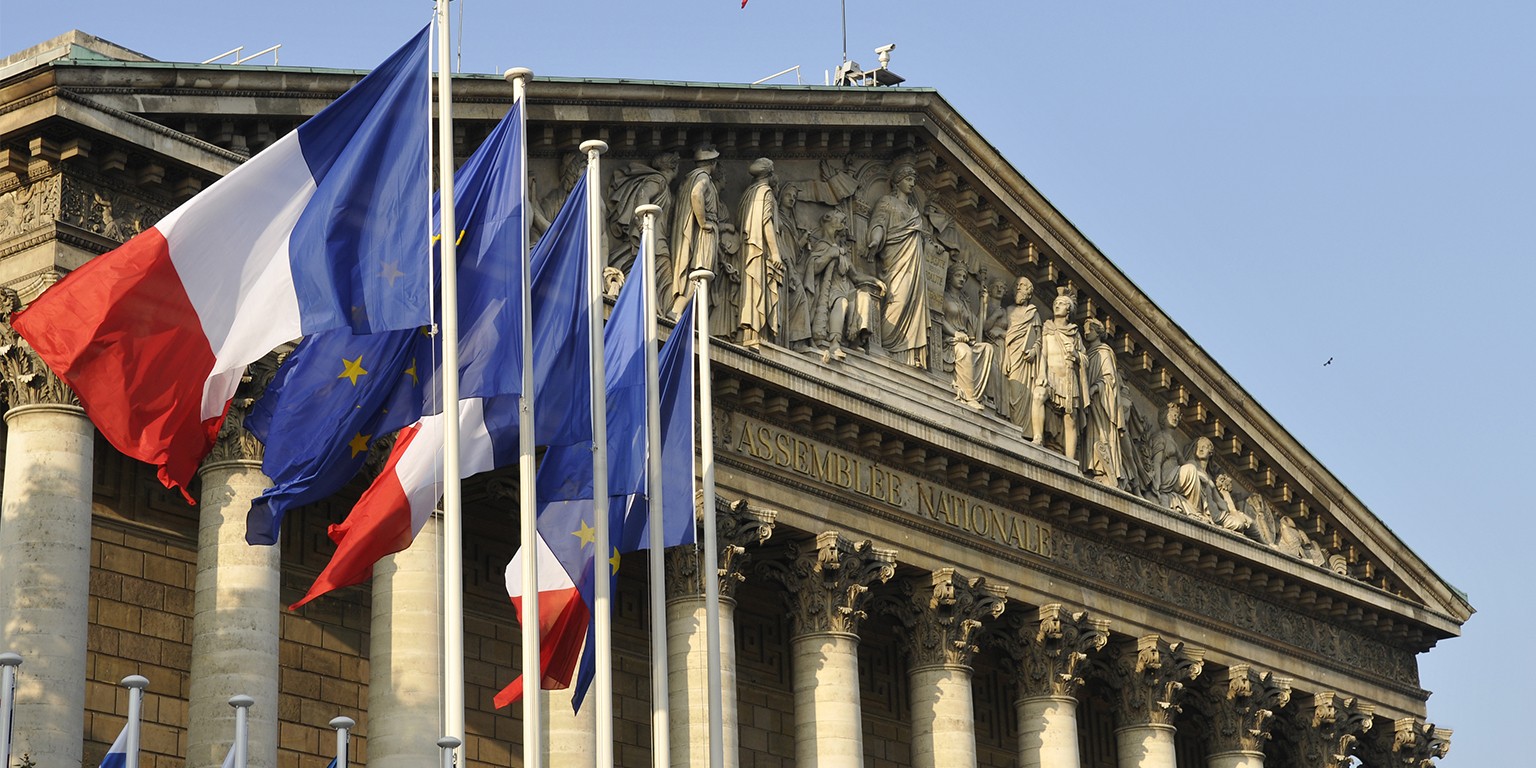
<point x="887" y="48"/>
<point x="885" y="54"/>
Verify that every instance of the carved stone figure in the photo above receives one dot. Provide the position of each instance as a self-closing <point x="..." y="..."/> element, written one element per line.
<point x="898" y="237"/>
<point x="1281" y="533"/>
<point x="572" y="166"/>
<point x="1109" y="449"/>
<point x="1197" y="495"/>
<point x="832" y="267"/>
<point x="762" y="260"/>
<point x="1232" y="518"/>
<point x="634" y="185"/>
<point x="799" y="298"/>
<point x="725" y="290"/>
<point x="1061" y="387"/>
<point x="971" y="355"/>
<point x="695" y="225"/>
<point x="1164" y="456"/>
<point x="1021" y="358"/>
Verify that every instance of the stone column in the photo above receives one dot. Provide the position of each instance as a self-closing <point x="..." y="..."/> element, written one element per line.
<point x="568" y="734"/>
<point x="45" y="552"/>
<point x="737" y="526"/>
<point x="236" y="608"/>
<point x="1049" y="654"/>
<point x="1241" y="704"/>
<point x="1151" y="677"/>
<point x="828" y="587"/>
<point x="1327" y="729"/>
<point x="405" y="655"/>
<point x="1412" y="743"/>
<point x="942" y="613"/>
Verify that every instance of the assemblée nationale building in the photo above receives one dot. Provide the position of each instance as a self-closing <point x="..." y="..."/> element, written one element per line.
<point x="981" y="501"/>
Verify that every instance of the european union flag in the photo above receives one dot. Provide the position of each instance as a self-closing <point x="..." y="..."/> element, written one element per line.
<point x="338" y="392"/>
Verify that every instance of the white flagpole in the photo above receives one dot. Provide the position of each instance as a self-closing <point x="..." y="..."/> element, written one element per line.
<point x="343" y="726"/>
<point x="709" y="559"/>
<point x="135" y="685"/>
<point x="453" y="502"/>
<point x="8" y="664"/>
<point x="528" y="510"/>
<point x="602" y="545"/>
<point x="660" y="696"/>
<point x="241" y="703"/>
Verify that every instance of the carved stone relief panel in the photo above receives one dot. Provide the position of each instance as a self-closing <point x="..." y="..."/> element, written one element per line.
<point x="29" y="206"/>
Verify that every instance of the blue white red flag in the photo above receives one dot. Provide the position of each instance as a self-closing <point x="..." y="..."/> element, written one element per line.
<point x="117" y="754"/>
<point x="324" y="229"/>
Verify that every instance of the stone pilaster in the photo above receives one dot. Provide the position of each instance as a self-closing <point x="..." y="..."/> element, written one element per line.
<point x="236" y="607"/>
<point x="1151" y="677"/>
<point x="1050" y="653"/>
<point x="1241" y="704"/>
<point x="828" y="587"/>
<point x="1412" y="743"/>
<point x="942" y="613"/>
<point x="737" y="526"/>
<point x="45" y="547"/>
<point x="404" y="662"/>
<point x="1328" y="727"/>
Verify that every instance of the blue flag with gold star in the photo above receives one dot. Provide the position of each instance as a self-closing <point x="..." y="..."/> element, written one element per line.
<point x="338" y="392"/>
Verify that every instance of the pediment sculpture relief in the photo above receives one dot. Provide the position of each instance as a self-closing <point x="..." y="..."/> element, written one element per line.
<point x="830" y="257"/>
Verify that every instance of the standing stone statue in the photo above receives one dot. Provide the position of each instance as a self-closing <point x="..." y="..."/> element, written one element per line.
<point x="1062" y="387"/>
<point x="1109" y="448"/>
<point x="695" y="225"/>
<point x="634" y="185"/>
<point x="799" y="297"/>
<point x="725" y="289"/>
<point x="972" y="355"/>
<point x="899" y="239"/>
<point x="1021" y="356"/>
<point x="832" y="268"/>
<point x="762" y="259"/>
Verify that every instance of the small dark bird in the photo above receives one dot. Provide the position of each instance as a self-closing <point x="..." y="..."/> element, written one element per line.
<point x="1330" y="360"/>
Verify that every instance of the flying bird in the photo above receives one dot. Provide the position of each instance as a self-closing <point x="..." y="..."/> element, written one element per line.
<point x="1330" y="360"/>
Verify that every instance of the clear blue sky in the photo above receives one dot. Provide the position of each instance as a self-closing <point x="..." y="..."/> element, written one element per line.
<point x="1290" y="182"/>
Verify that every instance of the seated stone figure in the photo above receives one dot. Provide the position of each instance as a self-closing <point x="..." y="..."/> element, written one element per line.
<point x="971" y="355"/>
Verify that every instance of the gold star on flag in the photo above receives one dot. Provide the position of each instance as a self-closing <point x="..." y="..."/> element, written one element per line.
<point x="614" y="561"/>
<point x="411" y="372"/>
<point x="587" y="534"/>
<point x="359" y="444"/>
<point x="351" y="369"/>
<point x="391" y="271"/>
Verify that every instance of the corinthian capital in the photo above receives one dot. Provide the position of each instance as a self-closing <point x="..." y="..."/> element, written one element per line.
<point x="1052" y="648"/>
<point x="1242" y="703"/>
<point x="24" y="378"/>
<point x="737" y="526"/>
<point x="1328" y="728"/>
<point x="828" y="586"/>
<point x="1151" y="677"/>
<point x="942" y="612"/>
<point x="1416" y="743"/>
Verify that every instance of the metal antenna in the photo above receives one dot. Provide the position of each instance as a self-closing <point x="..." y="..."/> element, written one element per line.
<point x="845" y="31"/>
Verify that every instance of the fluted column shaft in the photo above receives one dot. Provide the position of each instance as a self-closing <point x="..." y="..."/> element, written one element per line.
<point x="45" y="565"/>
<point x="1047" y="731"/>
<point x="943" y="717"/>
<point x="1243" y="758"/>
<point x="688" y="674"/>
<point x="1149" y="745"/>
<point x="405" y="661"/>
<point x="569" y="735"/>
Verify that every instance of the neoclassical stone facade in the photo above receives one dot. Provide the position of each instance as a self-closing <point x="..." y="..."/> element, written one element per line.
<point x="980" y="502"/>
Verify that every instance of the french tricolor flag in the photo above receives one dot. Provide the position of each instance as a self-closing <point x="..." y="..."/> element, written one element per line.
<point x="327" y="228"/>
<point x="117" y="754"/>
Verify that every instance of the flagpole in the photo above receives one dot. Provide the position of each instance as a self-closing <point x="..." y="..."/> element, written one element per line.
<point x="528" y="521"/>
<point x="660" y="699"/>
<point x="242" y="703"/>
<point x="135" y="685"/>
<point x="343" y="725"/>
<point x="8" y="664"/>
<point x="602" y="545"/>
<point x="453" y="502"/>
<point x="709" y="559"/>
